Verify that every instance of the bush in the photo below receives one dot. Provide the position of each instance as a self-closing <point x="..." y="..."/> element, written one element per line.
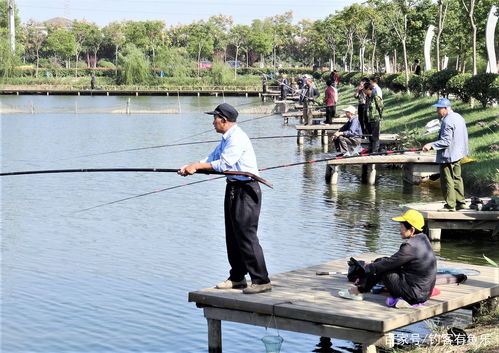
<point x="416" y="85"/>
<point x="437" y="82"/>
<point x="458" y="86"/>
<point x="386" y="80"/>
<point x="105" y="63"/>
<point x="483" y="88"/>
<point x="221" y="74"/>
<point x="398" y="83"/>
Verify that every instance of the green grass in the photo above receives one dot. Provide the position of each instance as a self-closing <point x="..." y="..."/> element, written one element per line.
<point x="408" y="115"/>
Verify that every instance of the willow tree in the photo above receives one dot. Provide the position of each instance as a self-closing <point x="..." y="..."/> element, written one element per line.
<point x="133" y="66"/>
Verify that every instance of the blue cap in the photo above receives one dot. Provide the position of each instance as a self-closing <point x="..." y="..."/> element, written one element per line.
<point x="442" y="103"/>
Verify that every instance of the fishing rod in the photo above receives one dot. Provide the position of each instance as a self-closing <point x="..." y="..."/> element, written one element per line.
<point x="339" y="156"/>
<point x="141" y="170"/>
<point x="342" y="156"/>
<point x="176" y="144"/>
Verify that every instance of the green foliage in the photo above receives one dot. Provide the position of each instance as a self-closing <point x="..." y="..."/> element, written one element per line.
<point x="482" y="87"/>
<point x="437" y="82"/>
<point x="398" y="83"/>
<point x="174" y="62"/>
<point x="8" y="60"/>
<point x="416" y="85"/>
<point x="221" y="74"/>
<point x="105" y="63"/>
<point x="133" y="66"/>
<point x="61" y="43"/>
<point x="457" y="86"/>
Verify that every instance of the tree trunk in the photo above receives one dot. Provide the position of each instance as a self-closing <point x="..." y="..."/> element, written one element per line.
<point x="235" y="63"/>
<point x="199" y="57"/>
<point x="442" y="12"/>
<point x="406" y="65"/>
<point x="95" y="58"/>
<point x="334" y="58"/>
<point x="394" y="60"/>
<point x="37" y="62"/>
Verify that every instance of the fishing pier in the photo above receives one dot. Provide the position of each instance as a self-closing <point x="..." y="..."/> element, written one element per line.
<point x="417" y="167"/>
<point x="304" y="302"/>
<point x="463" y="219"/>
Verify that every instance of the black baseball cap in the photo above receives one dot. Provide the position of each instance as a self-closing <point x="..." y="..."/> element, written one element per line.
<point x="226" y="110"/>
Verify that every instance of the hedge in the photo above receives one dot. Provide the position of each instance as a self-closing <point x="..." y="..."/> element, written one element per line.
<point x="482" y="87"/>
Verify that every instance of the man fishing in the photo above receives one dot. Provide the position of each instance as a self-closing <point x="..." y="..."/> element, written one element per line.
<point x="242" y="202"/>
<point x="347" y="138"/>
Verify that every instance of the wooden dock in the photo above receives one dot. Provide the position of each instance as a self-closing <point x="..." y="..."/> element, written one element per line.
<point x="301" y="301"/>
<point x="463" y="219"/>
<point x="417" y="166"/>
<point x="315" y="114"/>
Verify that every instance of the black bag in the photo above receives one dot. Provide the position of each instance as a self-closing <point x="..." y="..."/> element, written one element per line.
<point x="355" y="269"/>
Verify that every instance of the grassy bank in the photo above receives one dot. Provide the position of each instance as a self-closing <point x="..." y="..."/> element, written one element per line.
<point x="407" y="115"/>
<point x="484" y="333"/>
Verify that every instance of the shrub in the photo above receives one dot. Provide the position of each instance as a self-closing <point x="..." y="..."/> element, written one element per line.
<point x="437" y="82"/>
<point x="398" y="83"/>
<point x="105" y="63"/>
<point x="416" y="84"/>
<point x="458" y="86"/>
<point x="221" y="73"/>
<point x="482" y="87"/>
<point x="386" y="80"/>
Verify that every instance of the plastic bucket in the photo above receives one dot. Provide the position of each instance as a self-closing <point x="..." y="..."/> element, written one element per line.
<point x="272" y="343"/>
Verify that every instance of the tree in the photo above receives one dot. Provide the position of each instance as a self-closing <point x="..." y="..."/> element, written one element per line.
<point x="133" y="66"/>
<point x="443" y="5"/>
<point x="61" y="43"/>
<point x="34" y="39"/>
<point x="260" y="40"/>
<point x="469" y="6"/>
<point x="238" y="36"/>
<point x="114" y="36"/>
<point x="200" y="41"/>
<point x="397" y="18"/>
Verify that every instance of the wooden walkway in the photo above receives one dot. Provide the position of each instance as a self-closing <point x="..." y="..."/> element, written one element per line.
<point x="463" y="219"/>
<point x="417" y="166"/>
<point x="301" y="301"/>
<point x="131" y="92"/>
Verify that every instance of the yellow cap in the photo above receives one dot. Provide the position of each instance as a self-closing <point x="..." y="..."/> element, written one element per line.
<point x="413" y="217"/>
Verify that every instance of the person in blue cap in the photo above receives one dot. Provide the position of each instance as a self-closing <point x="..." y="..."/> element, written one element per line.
<point x="451" y="147"/>
<point x="242" y="202"/>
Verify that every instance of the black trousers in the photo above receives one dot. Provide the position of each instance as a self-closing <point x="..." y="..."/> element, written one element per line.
<point x="242" y="210"/>
<point x="361" y="109"/>
<point x="330" y="113"/>
<point x="373" y="128"/>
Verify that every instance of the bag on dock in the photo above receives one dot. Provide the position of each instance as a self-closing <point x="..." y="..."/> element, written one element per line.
<point x="355" y="269"/>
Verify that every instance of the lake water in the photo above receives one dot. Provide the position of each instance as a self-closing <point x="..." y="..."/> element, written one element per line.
<point x="116" y="278"/>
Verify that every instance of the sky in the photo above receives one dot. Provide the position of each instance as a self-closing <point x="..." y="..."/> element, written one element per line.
<point x="174" y="12"/>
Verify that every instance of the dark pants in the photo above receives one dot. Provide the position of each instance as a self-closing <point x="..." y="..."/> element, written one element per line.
<point x="242" y="211"/>
<point x="394" y="282"/>
<point x="452" y="184"/>
<point x="373" y="128"/>
<point x="330" y="113"/>
<point x="361" y="109"/>
<point x="346" y="144"/>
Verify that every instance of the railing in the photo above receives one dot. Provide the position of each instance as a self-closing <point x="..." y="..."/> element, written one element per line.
<point x="222" y="88"/>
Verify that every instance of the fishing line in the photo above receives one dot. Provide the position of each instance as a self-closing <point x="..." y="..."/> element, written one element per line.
<point x="340" y="156"/>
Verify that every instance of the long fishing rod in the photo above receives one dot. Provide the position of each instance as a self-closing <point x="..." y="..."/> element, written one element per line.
<point x="141" y="170"/>
<point x="177" y="144"/>
<point x="340" y="156"/>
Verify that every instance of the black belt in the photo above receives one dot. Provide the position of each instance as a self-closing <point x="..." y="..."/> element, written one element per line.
<point x="237" y="181"/>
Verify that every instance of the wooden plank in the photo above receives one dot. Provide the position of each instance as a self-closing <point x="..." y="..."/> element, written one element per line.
<point x="326" y="127"/>
<point x="298" y="114"/>
<point x="430" y="211"/>
<point x="307" y="327"/>
<point x="409" y="157"/>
